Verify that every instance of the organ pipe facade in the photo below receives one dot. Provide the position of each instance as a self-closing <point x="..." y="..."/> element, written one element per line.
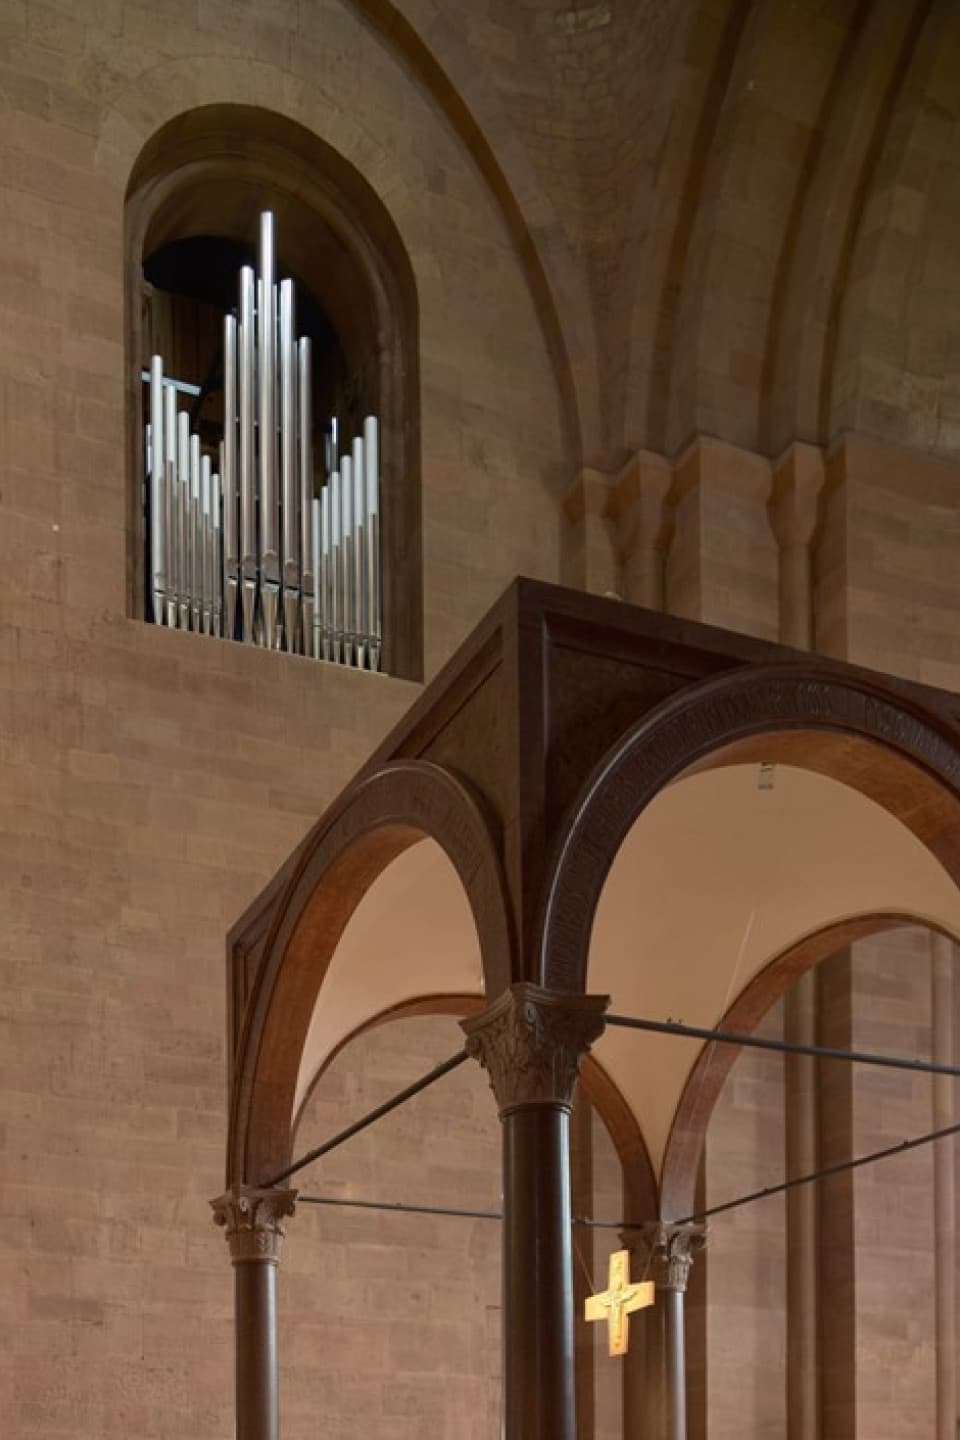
<point x="244" y="543"/>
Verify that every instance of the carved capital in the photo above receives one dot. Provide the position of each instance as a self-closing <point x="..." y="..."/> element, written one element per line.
<point x="253" y="1222"/>
<point x="666" y="1252"/>
<point x="530" y="1042"/>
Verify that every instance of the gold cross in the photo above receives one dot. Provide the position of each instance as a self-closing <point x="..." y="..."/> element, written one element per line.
<point x="618" y="1301"/>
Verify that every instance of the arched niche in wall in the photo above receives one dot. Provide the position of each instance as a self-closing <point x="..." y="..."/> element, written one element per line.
<point x="191" y="218"/>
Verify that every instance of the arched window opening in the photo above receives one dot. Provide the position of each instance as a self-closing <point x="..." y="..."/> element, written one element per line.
<point x="320" y="552"/>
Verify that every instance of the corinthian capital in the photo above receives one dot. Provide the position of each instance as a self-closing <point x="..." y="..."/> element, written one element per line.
<point x="530" y="1042"/>
<point x="667" y="1251"/>
<point x="253" y="1221"/>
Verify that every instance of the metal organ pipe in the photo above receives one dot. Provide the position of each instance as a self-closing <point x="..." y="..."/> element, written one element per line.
<point x="371" y="457"/>
<point x="360" y="626"/>
<point x="347" y="556"/>
<point x="289" y="470"/>
<point x="169" y="503"/>
<point x="193" y="531"/>
<point x="248" y="504"/>
<point x="308" y="545"/>
<point x="336" y="582"/>
<point x="245" y="544"/>
<point x="267" y="394"/>
<point x="158" y="542"/>
<point x="228" y="473"/>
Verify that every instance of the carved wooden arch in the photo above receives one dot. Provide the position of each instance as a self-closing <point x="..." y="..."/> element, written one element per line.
<point x="845" y="726"/>
<point x="375" y="821"/>
<point x="688" y="1131"/>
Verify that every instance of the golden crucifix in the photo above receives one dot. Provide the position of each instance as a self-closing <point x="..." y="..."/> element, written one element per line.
<point x="619" y="1301"/>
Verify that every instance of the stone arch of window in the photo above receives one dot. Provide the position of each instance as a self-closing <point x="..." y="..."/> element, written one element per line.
<point x="206" y="176"/>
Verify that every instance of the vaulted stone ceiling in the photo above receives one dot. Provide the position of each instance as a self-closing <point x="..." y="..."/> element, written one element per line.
<point x="738" y="214"/>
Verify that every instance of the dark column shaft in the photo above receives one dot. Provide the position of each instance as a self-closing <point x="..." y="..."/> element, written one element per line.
<point x="538" y="1275"/>
<point x="257" y="1380"/>
<point x="676" y="1364"/>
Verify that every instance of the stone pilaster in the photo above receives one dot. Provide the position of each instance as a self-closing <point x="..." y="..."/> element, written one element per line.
<point x="645" y="528"/>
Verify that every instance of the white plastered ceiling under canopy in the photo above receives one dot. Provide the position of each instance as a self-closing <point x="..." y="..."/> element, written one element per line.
<point x="725" y="870"/>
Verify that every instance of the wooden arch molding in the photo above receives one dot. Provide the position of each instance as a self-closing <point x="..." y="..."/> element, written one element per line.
<point x="377" y="819"/>
<point x="887" y="747"/>
<point x="688" y="1132"/>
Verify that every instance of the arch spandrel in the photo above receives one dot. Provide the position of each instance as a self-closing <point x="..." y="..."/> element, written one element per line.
<point x="376" y="821"/>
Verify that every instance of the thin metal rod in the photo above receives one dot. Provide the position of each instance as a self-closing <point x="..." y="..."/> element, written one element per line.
<point x="403" y="1208"/>
<point x="180" y="386"/>
<point x="594" y="1224"/>
<point x="400" y="1098"/>
<point x="398" y="1206"/>
<point x="840" y="1168"/>
<point x="786" y="1047"/>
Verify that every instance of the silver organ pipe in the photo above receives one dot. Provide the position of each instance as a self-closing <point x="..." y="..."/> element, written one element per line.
<point x="228" y="474"/>
<point x="243" y="542"/>
<point x="313" y="639"/>
<point x="347" y="557"/>
<point x="308" y="543"/>
<point x="324" y="573"/>
<point x="371" y="460"/>
<point x="248" y="459"/>
<point x="206" y="552"/>
<point x="267" y="436"/>
<point x="158" y="542"/>
<point x="336" y="581"/>
<point x="183" y="519"/>
<point x="194" y="535"/>
<point x="289" y="467"/>
<point x="169" y="500"/>
<point x="360" y="627"/>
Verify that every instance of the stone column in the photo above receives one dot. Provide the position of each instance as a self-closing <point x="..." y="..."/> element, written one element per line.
<point x="794" y="511"/>
<point x="530" y="1042"/>
<point x="943" y="959"/>
<point x="655" y="1383"/>
<point x="253" y="1223"/>
<point x="644" y="1365"/>
<point x="677" y="1246"/>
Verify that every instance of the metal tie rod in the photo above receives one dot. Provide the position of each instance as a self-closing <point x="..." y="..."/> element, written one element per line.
<point x="397" y="1205"/>
<point x="401" y="1207"/>
<point x="786" y="1047"/>
<point x="828" y="1170"/>
<point x="376" y="1114"/>
<point x="768" y="1190"/>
